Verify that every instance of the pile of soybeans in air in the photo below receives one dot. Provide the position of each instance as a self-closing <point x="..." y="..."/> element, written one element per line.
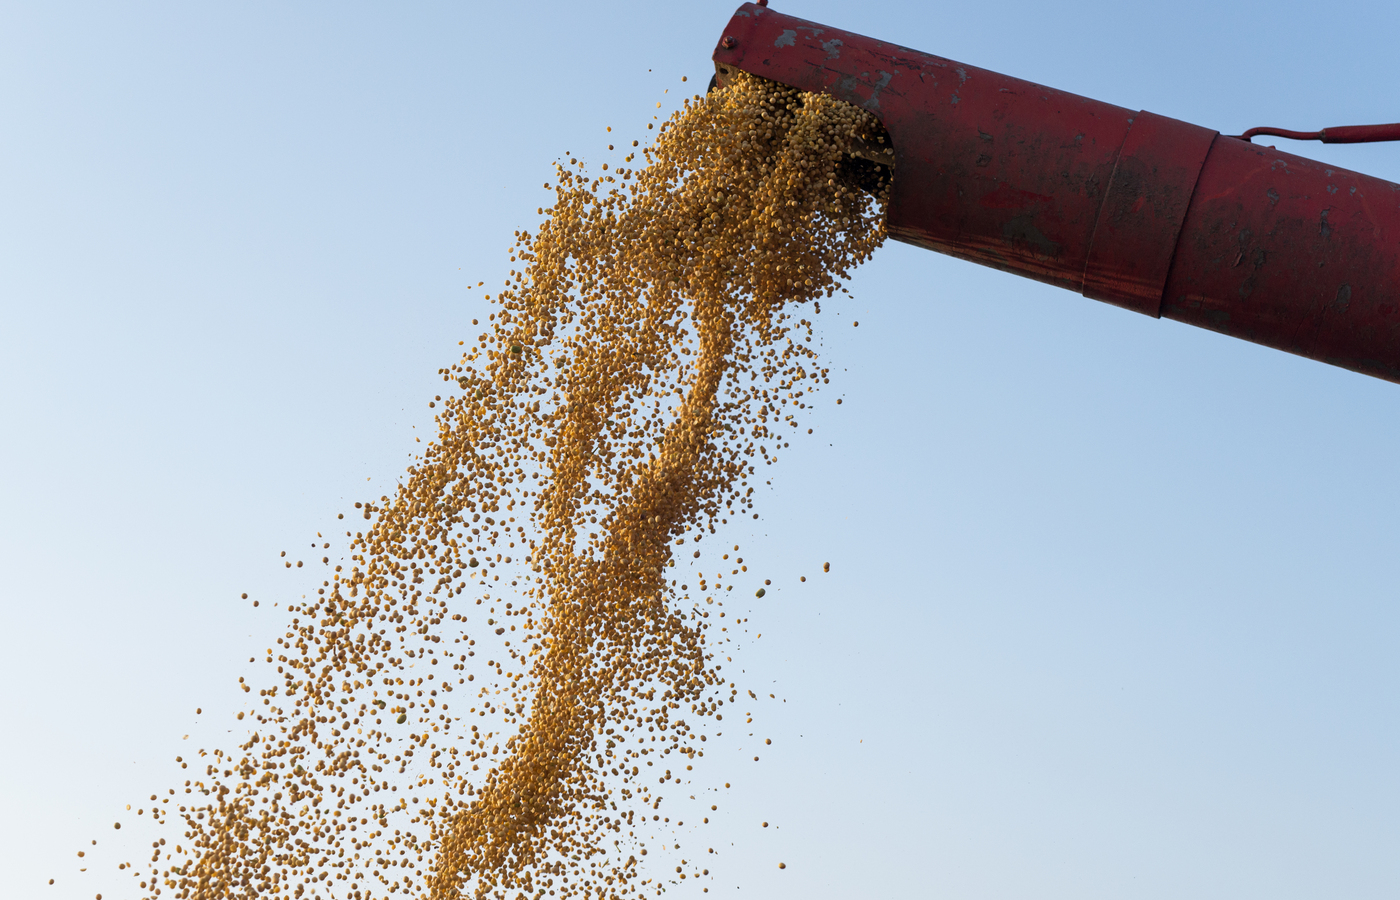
<point x="489" y="697"/>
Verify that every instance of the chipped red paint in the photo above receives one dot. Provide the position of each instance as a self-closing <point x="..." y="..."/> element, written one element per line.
<point x="1135" y="209"/>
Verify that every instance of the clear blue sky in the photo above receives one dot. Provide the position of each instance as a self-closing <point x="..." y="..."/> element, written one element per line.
<point x="1112" y="610"/>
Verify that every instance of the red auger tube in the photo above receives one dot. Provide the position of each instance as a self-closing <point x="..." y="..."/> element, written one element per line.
<point x="1132" y="208"/>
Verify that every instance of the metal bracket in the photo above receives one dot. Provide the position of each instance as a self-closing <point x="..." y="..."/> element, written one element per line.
<point x="1342" y="134"/>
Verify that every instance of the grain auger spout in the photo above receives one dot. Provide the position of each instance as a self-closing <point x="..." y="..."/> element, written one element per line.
<point x="1129" y="207"/>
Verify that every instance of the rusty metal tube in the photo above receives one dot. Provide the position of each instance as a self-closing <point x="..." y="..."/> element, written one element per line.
<point x="1128" y="207"/>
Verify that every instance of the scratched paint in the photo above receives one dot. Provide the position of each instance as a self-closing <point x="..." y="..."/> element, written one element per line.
<point x="873" y="104"/>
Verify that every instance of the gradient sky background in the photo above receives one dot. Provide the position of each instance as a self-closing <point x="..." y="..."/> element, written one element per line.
<point x="1112" y="610"/>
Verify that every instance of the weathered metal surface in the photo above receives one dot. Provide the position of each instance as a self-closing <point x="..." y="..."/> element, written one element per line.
<point x="1142" y="211"/>
<point x="1294" y="254"/>
<point x="1132" y="208"/>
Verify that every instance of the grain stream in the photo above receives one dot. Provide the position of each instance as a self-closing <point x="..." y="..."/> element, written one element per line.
<point x="489" y="697"/>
